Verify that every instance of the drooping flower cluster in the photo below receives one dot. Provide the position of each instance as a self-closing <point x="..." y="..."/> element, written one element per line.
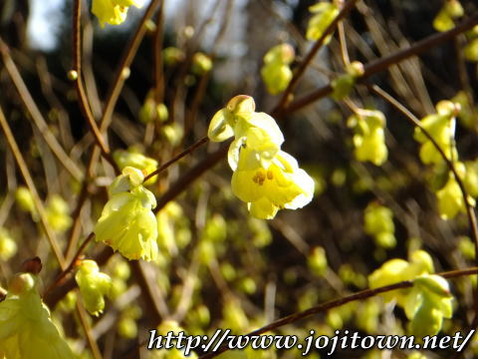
<point x="324" y="13"/>
<point x="441" y="128"/>
<point x="265" y="177"/>
<point x="276" y="73"/>
<point x="427" y="303"/>
<point x="450" y="11"/>
<point x="378" y="222"/>
<point x="93" y="285"/>
<point x="369" y="135"/>
<point x="26" y="329"/>
<point x="127" y="223"/>
<point x="113" y="12"/>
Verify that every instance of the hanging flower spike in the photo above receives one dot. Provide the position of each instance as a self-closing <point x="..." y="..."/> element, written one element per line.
<point x="93" y="285"/>
<point x="127" y="223"/>
<point x="265" y="177"/>
<point x="113" y="12"/>
<point x="441" y="127"/>
<point x="276" y="73"/>
<point x="369" y="137"/>
<point x="269" y="187"/>
<point x="324" y="14"/>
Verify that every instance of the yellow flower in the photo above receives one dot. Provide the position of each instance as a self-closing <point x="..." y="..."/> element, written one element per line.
<point x="26" y="329"/>
<point x="325" y="13"/>
<point x="113" y="12"/>
<point x="276" y="73"/>
<point x="270" y="186"/>
<point x="127" y="223"/>
<point x="93" y="285"/>
<point x="397" y="270"/>
<point x="256" y="130"/>
<point x="58" y="213"/>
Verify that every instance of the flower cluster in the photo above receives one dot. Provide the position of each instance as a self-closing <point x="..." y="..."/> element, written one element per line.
<point x="441" y="128"/>
<point x="265" y="177"/>
<point x="127" y="223"/>
<point x="325" y="13"/>
<point x="93" y="285"/>
<point x="428" y="302"/>
<point x="369" y="135"/>
<point x="276" y="73"/>
<point x="26" y="329"/>
<point x="445" y="19"/>
<point x="113" y="12"/>
<point x="378" y="223"/>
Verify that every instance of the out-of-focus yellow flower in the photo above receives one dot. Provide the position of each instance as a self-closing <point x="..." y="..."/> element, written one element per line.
<point x="24" y="199"/>
<point x="270" y="186"/>
<point x="127" y="223"/>
<point x="201" y="64"/>
<point x="58" y="213"/>
<point x="369" y="137"/>
<point x="397" y="270"/>
<point x="130" y="157"/>
<point x="112" y="12"/>
<point x="441" y="127"/>
<point x="93" y="286"/>
<point x="276" y="73"/>
<point x="324" y="14"/>
<point x="26" y="329"/>
<point x="450" y="199"/>
<point x="8" y="246"/>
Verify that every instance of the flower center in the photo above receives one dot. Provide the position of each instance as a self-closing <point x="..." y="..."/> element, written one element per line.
<point x="261" y="175"/>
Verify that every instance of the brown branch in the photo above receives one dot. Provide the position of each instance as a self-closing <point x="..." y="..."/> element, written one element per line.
<point x="105" y="120"/>
<point x="361" y="295"/>
<point x="382" y="64"/>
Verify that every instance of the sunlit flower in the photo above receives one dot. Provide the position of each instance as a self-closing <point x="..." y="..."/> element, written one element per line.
<point x="93" y="285"/>
<point x="26" y="329"/>
<point x="127" y="223"/>
<point x="112" y="12"/>
<point x="270" y="186"/>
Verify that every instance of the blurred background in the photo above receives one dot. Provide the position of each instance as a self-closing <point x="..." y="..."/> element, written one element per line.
<point x="219" y="267"/>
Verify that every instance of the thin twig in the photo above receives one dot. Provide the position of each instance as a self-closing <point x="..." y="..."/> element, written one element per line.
<point x="82" y="97"/>
<point x="382" y="64"/>
<point x="173" y="160"/>
<point x="361" y="295"/>
<point x="286" y="96"/>
<point x="416" y="122"/>
<point x="82" y="316"/>
<point x="31" y="187"/>
<point x="36" y="115"/>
